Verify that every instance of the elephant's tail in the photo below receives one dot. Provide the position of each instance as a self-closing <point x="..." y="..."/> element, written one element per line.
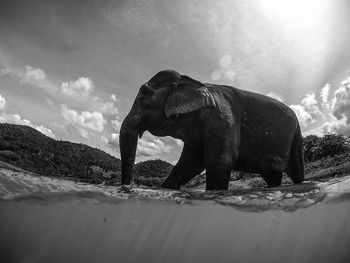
<point x="296" y="160"/>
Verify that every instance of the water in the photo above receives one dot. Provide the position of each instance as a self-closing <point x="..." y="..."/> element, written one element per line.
<point x="51" y="220"/>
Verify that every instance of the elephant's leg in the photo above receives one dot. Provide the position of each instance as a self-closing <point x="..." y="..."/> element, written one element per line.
<point x="220" y="158"/>
<point x="189" y="165"/>
<point x="273" y="178"/>
<point x="218" y="176"/>
<point x="295" y="168"/>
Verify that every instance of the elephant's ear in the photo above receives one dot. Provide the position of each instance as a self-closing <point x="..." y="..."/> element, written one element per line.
<point x="188" y="95"/>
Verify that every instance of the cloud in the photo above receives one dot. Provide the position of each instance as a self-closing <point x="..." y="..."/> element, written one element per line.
<point x="335" y="111"/>
<point x="340" y="110"/>
<point x="77" y="90"/>
<point x="30" y="75"/>
<point x="80" y="88"/>
<point x="17" y="119"/>
<point x="318" y="131"/>
<point x="107" y="108"/>
<point x="104" y="139"/>
<point x="178" y="142"/>
<point x="341" y="102"/>
<point x="2" y="102"/>
<point x="308" y="111"/>
<point x="85" y="121"/>
<point x="116" y="124"/>
<point x="112" y="141"/>
<point x="45" y="131"/>
<point x="150" y="146"/>
<point x="4" y="71"/>
<point x="174" y="162"/>
<point x="115" y="137"/>
<point x="346" y="83"/>
<point x="113" y="98"/>
<point x="325" y="93"/>
<point x="33" y="74"/>
<point x="337" y="126"/>
<point x="303" y="115"/>
<point x="311" y="104"/>
<point x="275" y="96"/>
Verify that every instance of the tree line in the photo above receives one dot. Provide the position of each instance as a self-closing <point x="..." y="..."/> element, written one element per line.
<point x="31" y="150"/>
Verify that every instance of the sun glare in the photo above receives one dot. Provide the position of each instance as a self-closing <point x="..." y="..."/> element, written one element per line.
<point x="297" y="14"/>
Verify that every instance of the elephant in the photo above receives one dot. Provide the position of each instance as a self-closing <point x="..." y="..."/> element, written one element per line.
<point x="223" y="129"/>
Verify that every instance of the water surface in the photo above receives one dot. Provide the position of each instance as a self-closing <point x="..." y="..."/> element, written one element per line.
<point x="51" y="220"/>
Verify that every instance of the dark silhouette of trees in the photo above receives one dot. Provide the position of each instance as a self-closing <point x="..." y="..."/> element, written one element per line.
<point x="29" y="149"/>
<point x="151" y="173"/>
<point x="329" y="145"/>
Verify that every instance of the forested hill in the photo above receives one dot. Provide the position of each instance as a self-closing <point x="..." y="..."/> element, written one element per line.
<point x="151" y="173"/>
<point x="31" y="150"/>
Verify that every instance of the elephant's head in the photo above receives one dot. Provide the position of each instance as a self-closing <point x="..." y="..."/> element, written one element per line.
<point x="161" y="99"/>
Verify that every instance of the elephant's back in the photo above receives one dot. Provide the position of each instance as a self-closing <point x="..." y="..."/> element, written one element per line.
<point x="254" y="110"/>
<point x="250" y="101"/>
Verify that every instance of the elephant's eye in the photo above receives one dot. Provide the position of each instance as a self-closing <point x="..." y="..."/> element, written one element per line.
<point x="146" y="104"/>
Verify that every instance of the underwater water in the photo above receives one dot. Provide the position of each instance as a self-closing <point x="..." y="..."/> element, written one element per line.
<point x="50" y="220"/>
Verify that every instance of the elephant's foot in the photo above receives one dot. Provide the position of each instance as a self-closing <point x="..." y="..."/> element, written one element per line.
<point x="217" y="179"/>
<point x="273" y="179"/>
<point x="168" y="184"/>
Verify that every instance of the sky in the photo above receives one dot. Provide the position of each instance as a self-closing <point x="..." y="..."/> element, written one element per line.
<point x="71" y="69"/>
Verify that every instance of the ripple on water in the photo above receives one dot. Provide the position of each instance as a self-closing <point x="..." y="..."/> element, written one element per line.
<point x="21" y="186"/>
<point x="46" y="219"/>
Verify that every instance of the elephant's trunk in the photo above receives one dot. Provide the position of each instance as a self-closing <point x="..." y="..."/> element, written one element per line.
<point x="128" y="143"/>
